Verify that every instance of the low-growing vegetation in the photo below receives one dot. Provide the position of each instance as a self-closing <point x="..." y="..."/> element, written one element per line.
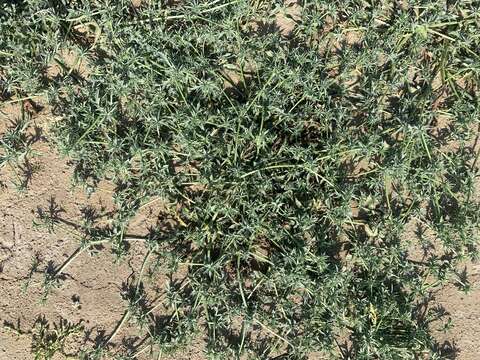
<point x="315" y="161"/>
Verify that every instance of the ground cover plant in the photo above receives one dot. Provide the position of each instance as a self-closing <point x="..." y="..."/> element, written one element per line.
<point x="292" y="144"/>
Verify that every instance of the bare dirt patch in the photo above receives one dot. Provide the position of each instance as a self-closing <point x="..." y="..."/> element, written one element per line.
<point x="460" y="342"/>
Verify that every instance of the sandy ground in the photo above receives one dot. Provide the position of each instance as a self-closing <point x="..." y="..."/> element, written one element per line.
<point x="91" y="292"/>
<point x="462" y="341"/>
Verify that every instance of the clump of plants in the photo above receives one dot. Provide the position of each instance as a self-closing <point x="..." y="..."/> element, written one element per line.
<point x="291" y="163"/>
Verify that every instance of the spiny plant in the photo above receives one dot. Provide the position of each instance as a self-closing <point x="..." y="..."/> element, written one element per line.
<point x="292" y="163"/>
<point x="48" y="342"/>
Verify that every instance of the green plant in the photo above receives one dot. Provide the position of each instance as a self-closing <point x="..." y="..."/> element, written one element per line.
<point x="47" y="342"/>
<point x="290" y="163"/>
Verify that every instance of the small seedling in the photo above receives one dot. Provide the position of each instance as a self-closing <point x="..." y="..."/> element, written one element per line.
<point x="47" y="342"/>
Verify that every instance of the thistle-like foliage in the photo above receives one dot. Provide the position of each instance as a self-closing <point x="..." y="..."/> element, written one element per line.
<point x="296" y="142"/>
